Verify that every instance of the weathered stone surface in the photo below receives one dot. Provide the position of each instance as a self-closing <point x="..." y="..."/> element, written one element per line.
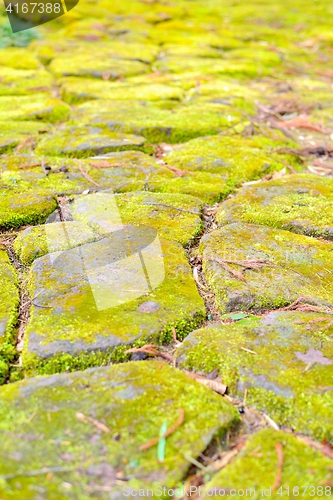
<point x="155" y="123"/>
<point x="278" y="267"/>
<point x="233" y="160"/>
<point x="24" y="82"/>
<point x="283" y="360"/>
<point x="37" y="241"/>
<point x="75" y="90"/>
<point x="87" y="141"/>
<point x="302" y="203"/>
<point x="175" y="216"/>
<point x="31" y="183"/>
<point x="38" y="107"/>
<point x="13" y="133"/>
<point x="9" y="301"/>
<point x="88" y="427"/>
<point x="18" y="58"/>
<point x="84" y="315"/>
<point x="96" y="65"/>
<point x="305" y="471"/>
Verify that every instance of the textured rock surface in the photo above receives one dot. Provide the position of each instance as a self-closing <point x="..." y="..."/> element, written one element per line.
<point x="79" y="317"/>
<point x="8" y="313"/>
<point x="283" y="360"/>
<point x="88" y="428"/>
<point x="87" y="141"/>
<point x="305" y="470"/>
<point x="301" y="203"/>
<point x="274" y="267"/>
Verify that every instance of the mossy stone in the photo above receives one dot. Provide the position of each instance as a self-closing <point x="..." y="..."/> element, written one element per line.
<point x="37" y="241"/>
<point x="175" y="216"/>
<point x="24" y="82"/>
<point x="283" y="360"/>
<point x="76" y="90"/>
<point x="231" y="159"/>
<point x="302" y="203"/>
<point x="13" y="133"/>
<point x="39" y="107"/>
<point x="156" y="124"/>
<point x="88" y="427"/>
<point x="95" y="66"/>
<point x="8" y="313"/>
<point x="305" y="471"/>
<point x="290" y="266"/>
<point x="87" y="141"/>
<point x="69" y="328"/>
<point x="18" y="58"/>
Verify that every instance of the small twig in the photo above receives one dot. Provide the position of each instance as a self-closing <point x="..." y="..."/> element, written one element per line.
<point x="96" y="423"/>
<point x="169" y="431"/>
<point x="174" y="335"/>
<point x="152" y="351"/>
<point x="87" y="176"/>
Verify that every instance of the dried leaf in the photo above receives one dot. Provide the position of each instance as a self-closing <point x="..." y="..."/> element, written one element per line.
<point x="302" y="121"/>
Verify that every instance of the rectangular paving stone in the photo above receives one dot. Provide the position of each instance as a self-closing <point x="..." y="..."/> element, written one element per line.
<point x="94" y="300"/>
<point x="80" y="435"/>
<point x="258" y="268"/>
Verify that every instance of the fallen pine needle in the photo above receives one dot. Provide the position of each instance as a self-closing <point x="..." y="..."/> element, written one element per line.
<point x="248" y="350"/>
<point x="279" y="451"/>
<point x="271" y="422"/>
<point x="96" y="423"/>
<point x="168" y="432"/>
<point x="105" y="164"/>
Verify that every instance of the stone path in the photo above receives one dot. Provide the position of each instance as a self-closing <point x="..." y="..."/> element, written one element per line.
<point x="166" y="252"/>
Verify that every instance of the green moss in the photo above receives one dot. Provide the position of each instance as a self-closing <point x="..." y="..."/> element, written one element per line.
<point x="269" y="358"/>
<point x="95" y="64"/>
<point x="34" y="242"/>
<point x="18" y="58"/>
<point x="293" y="266"/>
<point x="304" y="470"/>
<point x="132" y="400"/>
<point x="156" y="125"/>
<point x="77" y="326"/>
<point x="301" y="203"/>
<point x="175" y="216"/>
<point x="8" y="313"/>
<point x="38" y="107"/>
<point x="88" y="141"/>
<point x="24" y="82"/>
<point x="77" y="90"/>
<point x="13" y="133"/>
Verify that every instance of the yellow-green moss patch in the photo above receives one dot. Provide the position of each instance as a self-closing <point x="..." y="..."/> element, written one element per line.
<point x="77" y="309"/>
<point x="278" y="267"/>
<point x="283" y="360"/>
<point x="9" y="301"/>
<point x="88" y="428"/>
<point x="304" y="471"/>
<point x="155" y="124"/>
<point x="302" y="203"/>
<point x="38" y="107"/>
<point x="87" y="141"/>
